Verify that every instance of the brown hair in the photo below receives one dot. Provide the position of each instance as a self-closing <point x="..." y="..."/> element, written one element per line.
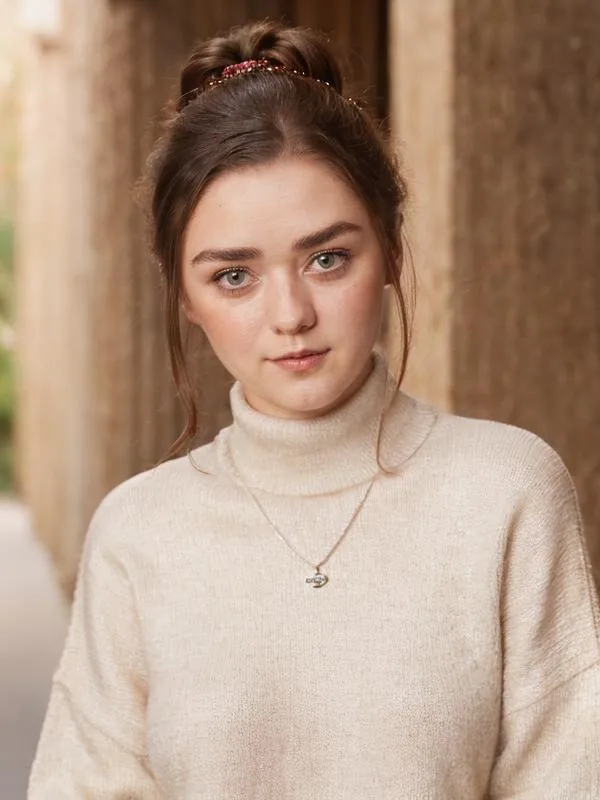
<point x="253" y="119"/>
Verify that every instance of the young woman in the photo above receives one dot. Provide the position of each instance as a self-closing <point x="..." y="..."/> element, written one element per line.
<point x="347" y="594"/>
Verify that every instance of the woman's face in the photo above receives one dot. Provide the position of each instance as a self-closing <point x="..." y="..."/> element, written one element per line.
<point x="283" y="271"/>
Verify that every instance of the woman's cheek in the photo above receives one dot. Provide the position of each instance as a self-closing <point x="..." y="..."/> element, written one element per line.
<point x="362" y="301"/>
<point x="230" y="330"/>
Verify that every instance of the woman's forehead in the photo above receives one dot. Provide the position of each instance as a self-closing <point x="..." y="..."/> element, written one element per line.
<point x="286" y="199"/>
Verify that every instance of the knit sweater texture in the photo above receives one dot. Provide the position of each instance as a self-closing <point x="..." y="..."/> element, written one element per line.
<point x="454" y="653"/>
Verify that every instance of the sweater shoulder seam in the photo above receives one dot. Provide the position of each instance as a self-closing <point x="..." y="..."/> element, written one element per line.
<point x="590" y="666"/>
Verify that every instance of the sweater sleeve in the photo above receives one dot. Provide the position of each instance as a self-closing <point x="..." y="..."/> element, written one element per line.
<point x="92" y="743"/>
<point x="549" y="746"/>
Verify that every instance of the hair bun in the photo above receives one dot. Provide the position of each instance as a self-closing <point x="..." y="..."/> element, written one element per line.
<point x="296" y="48"/>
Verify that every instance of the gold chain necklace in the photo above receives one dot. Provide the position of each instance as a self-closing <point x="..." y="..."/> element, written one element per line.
<point x="319" y="579"/>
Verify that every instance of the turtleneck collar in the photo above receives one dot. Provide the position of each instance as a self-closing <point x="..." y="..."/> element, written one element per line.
<point x="328" y="453"/>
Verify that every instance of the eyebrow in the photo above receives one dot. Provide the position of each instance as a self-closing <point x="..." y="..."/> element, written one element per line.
<point x="319" y="238"/>
<point x="311" y="240"/>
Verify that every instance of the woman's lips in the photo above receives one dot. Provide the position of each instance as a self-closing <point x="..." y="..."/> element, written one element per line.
<point x="302" y="362"/>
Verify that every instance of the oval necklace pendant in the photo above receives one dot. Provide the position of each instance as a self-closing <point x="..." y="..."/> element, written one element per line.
<point x="317" y="580"/>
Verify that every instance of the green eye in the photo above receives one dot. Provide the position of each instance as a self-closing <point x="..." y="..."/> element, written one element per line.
<point x="326" y="260"/>
<point x="235" y="277"/>
<point x="231" y="279"/>
<point x="331" y="261"/>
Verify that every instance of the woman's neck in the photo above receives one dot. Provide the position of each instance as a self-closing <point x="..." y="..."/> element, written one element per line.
<point x="316" y="456"/>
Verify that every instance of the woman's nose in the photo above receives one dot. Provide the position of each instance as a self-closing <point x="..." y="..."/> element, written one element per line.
<point x="290" y="307"/>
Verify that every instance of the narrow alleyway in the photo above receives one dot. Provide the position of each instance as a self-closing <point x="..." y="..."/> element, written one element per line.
<point x="33" y="621"/>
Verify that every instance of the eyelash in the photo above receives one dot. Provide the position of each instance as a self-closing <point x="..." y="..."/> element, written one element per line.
<point x="334" y="271"/>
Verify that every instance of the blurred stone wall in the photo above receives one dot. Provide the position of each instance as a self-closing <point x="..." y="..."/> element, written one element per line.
<point x="497" y="107"/>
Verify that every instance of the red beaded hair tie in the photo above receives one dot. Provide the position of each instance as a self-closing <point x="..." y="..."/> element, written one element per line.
<point x="252" y="65"/>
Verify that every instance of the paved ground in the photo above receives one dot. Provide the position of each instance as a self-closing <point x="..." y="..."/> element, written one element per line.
<point x="33" y="622"/>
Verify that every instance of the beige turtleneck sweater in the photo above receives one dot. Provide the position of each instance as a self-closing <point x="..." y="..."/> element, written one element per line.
<point x="453" y="655"/>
